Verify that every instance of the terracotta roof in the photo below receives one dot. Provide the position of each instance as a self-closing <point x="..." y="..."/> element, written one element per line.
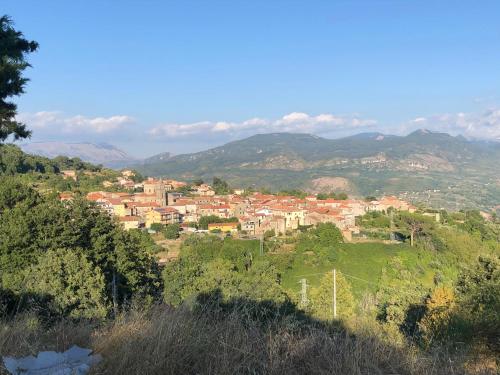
<point x="142" y="204"/>
<point x="144" y="195"/>
<point x="93" y="196"/>
<point x="213" y="207"/>
<point x="129" y="218"/>
<point x="122" y="194"/>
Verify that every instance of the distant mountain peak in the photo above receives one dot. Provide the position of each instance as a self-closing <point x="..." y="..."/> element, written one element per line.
<point x="421" y="132"/>
<point x="97" y="153"/>
<point x="368" y="135"/>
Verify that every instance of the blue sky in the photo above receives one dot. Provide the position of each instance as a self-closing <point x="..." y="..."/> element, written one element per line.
<point x="153" y="76"/>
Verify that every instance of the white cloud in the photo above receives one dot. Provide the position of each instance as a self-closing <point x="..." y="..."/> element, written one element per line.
<point x="296" y="122"/>
<point x="56" y="121"/>
<point x="485" y="125"/>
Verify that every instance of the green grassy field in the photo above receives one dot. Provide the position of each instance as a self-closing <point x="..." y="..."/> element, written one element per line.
<point x="357" y="261"/>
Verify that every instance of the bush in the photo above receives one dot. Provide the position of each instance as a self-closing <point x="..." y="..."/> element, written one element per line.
<point x="172" y="231"/>
<point x="157" y="227"/>
<point x="269" y="233"/>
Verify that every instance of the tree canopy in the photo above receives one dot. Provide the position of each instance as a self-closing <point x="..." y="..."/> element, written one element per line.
<point x="14" y="49"/>
<point x="32" y="226"/>
<point x="220" y="186"/>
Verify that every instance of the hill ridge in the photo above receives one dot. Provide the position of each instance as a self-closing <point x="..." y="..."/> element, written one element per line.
<point x="372" y="164"/>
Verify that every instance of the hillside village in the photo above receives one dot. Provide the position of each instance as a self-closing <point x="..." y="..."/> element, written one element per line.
<point x="158" y="201"/>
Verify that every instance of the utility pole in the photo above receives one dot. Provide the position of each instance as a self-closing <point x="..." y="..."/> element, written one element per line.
<point x="392" y="236"/>
<point x="303" y="293"/>
<point x="261" y="249"/>
<point x="334" y="294"/>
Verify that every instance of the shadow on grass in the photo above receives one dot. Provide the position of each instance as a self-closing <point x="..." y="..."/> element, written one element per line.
<point x="216" y="335"/>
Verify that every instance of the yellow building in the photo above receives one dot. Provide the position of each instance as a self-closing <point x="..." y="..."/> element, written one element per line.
<point x="163" y="215"/>
<point x="130" y="222"/>
<point x="223" y="227"/>
<point x="119" y="208"/>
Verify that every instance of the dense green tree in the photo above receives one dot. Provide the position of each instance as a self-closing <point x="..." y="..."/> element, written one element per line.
<point x="198" y="182"/>
<point x="157" y="227"/>
<point x="269" y="234"/>
<point x="75" y="285"/>
<point x="220" y="186"/>
<point x="209" y="264"/>
<point x="476" y="225"/>
<point x="478" y="294"/>
<point x="14" y="161"/>
<point x="137" y="177"/>
<point x="326" y="234"/>
<point x="27" y="232"/>
<point x="219" y="274"/>
<point x="332" y="195"/>
<point x="172" y="231"/>
<point x="261" y="281"/>
<point x="413" y="225"/>
<point x="401" y="295"/>
<point x="78" y="164"/>
<point x="14" y="49"/>
<point x="186" y="280"/>
<point x="13" y="192"/>
<point x="374" y="219"/>
<point x="135" y="270"/>
<point x="178" y="279"/>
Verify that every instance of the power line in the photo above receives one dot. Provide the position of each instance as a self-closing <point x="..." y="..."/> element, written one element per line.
<point x="350" y="276"/>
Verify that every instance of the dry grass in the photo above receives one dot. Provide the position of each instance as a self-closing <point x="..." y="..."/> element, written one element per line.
<point x="166" y="341"/>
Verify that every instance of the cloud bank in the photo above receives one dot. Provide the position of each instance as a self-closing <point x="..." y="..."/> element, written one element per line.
<point x="56" y="121"/>
<point x="484" y="125"/>
<point x="295" y="122"/>
<point x="126" y="132"/>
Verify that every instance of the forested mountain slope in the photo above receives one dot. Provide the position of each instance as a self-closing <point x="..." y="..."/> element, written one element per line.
<point x="436" y="168"/>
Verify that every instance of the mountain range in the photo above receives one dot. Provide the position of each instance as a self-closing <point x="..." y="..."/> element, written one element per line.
<point x="437" y="168"/>
<point x="97" y="153"/>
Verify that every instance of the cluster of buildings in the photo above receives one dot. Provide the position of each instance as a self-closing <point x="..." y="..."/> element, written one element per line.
<point x="256" y="213"/>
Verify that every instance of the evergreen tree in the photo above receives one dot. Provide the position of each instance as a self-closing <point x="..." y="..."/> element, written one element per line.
<point x="14" y="49"/>
<point x="76" y="286"/>
<point x="28" y="230"/>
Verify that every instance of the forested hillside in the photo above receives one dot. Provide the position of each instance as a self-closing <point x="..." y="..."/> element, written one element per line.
<point x="45" y="174"/>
